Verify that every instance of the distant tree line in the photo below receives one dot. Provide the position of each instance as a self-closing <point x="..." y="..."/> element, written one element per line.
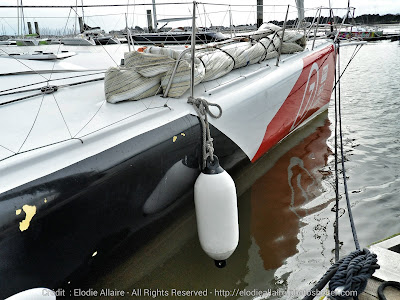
<point x="363" y="19"/>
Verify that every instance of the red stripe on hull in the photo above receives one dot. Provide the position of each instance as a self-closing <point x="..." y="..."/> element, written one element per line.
<point x="311" y="92"/>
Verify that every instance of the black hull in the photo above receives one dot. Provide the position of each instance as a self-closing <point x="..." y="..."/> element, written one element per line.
<point x="177" y="38"/>
<point x="104" y="41"/>
<point x="88" y="209"/>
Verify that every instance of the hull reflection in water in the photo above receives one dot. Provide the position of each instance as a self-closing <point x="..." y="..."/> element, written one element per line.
<point x="277" y="197"/>
<point x="273" y="191"/>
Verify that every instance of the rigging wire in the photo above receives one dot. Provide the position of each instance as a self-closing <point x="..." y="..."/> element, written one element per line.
<point x="44" y="91"/>
<point x="62" y="115"/>
<point x="33" y="124"/>
<point x="358" y="47"/>
<point x="59" y="46"/>
<point x="40" y="82"/>
<point x="24" y="64"/>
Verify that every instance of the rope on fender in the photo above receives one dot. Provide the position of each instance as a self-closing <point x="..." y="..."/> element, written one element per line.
<point x="201" y="106"/>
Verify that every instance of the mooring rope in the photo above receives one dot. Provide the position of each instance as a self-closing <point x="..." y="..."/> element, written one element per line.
<point x="384" y="285"/>
<point x="348" y="277"/>
<point x="201" y="106"/>
<point x="338" y="116"/>
<point x="353" y="273"/>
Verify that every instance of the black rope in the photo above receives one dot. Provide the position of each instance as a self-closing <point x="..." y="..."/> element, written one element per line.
<point x="348" y="276"/>
<point x="353" y="273"/>
<point x="353" y="228"/>
<point x="358" y="47"/>
<point x="384" y="285"/>
<point x="336" y="225"/>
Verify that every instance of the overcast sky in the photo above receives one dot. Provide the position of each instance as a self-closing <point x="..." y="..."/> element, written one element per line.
<point x="113" y="18"/>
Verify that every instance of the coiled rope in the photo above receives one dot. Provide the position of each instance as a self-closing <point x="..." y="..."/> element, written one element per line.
<point x="353" y="273"/>
<point x="202" y="108"/>
<point x="348" y="276"/>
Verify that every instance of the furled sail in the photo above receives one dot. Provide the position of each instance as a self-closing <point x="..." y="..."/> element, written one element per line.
<point x="150" y="72"/>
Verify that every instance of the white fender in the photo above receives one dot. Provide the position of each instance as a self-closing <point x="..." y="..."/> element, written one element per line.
<point x="216" y="213"/>
<point x="34" y="294"/>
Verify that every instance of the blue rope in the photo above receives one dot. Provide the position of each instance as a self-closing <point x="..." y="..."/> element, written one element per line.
<point x="348" y="276"/>
<point x="353" y="273"/>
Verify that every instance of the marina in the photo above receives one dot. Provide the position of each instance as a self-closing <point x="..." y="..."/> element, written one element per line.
<point x="111" y="156"/>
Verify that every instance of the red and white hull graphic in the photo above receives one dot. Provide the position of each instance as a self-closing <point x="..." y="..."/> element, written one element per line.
<point x="311" y="92"/>
<point x="264" y="108"/>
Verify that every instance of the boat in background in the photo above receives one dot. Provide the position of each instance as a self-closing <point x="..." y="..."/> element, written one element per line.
<point x="33" y="41"/>
<point x="8" y="42"/>
<point x="79" y="40"/>
<point x="40" y="55"/>
<point x="359" y="33"/>
<point x="178" y="36"/>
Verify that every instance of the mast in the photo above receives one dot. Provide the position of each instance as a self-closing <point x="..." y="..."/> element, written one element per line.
<point x="154" y="16"/>
<point x="76" y="15"/>
<point x="300" y="11"/>
<point x="23" y="20"/>
<point x="18" y="15"/>
<point x="260" y="19"/>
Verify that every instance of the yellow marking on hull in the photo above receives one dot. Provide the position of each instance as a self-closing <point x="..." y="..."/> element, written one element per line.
<point x="30" y="211"/>
<point x="45" y="200"/>
<point x="18" y="212"/>
<point x="183" y="134"/>
<point x="174" y="139"/>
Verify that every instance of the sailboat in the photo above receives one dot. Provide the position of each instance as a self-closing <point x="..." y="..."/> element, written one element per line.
<point x="176" y="36"/>
<point x="31" y="39"/>
<point x="94" y="153"/>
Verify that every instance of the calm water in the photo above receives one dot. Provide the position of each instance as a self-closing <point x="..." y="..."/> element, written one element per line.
<point x="286" y="218"/>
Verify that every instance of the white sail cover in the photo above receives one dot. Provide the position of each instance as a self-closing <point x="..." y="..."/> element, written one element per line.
<point x="145" y="72"/>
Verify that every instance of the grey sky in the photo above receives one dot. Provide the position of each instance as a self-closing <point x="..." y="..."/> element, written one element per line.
<point x="114" y="17"/>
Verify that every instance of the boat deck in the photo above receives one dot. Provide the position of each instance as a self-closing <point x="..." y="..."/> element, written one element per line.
<point x="388" y="252"/>
<point x="371" y="293"/>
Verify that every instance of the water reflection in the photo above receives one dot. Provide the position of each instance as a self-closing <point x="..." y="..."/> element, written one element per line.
<point x="278" y="196"/>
